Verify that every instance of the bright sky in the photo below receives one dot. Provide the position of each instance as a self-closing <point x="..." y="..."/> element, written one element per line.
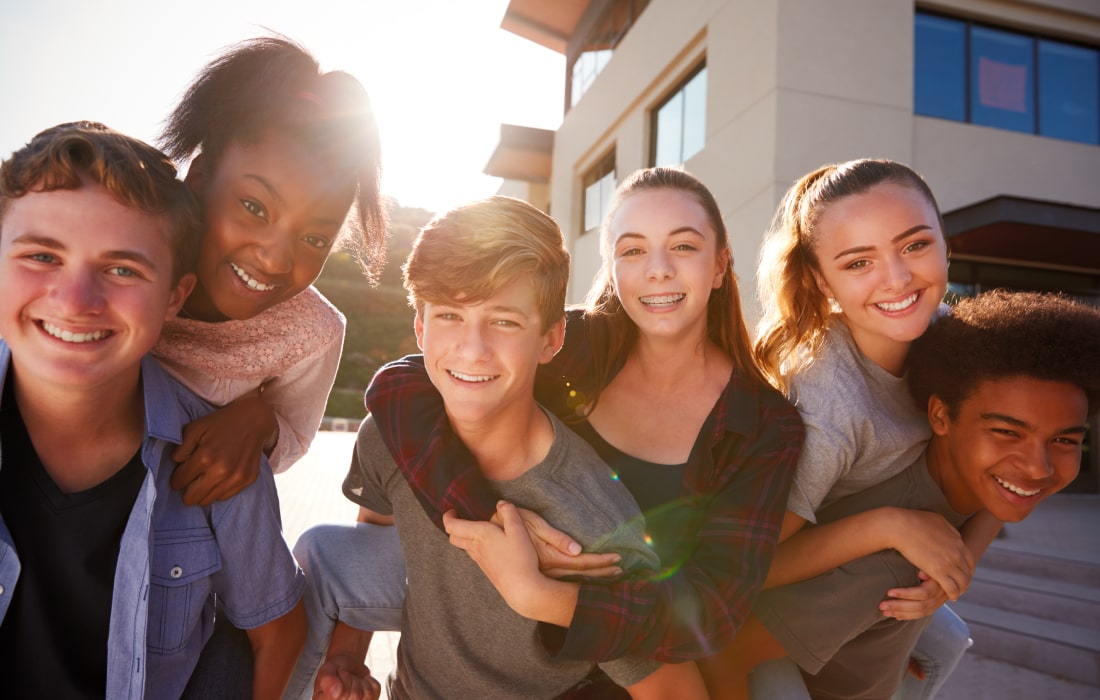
<point x="441" y="74"/>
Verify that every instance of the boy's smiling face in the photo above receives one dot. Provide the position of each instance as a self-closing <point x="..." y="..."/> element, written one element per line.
<point x="483" y="357"/>
<point x="85" y="286"/>
<point x="1014" y="442"/>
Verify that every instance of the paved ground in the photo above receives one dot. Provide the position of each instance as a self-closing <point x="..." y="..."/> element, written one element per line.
<point x="1064" y="526"/>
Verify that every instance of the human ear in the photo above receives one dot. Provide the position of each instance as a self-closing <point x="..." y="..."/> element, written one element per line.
<point x="196" y="175"/>
<point x="938" y="416"/>
<point x="179" y="294"/>
<point x="418" y="329"/>
<point x="554" y="338"/>
<point x="721" y="265"/>
<point x="822" y="285"/>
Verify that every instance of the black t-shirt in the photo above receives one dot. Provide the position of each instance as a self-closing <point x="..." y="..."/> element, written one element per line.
<point x="656" y="488"/>
<point x="53" y="639"/>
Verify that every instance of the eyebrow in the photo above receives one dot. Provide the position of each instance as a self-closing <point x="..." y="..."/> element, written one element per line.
<point x="900" y="237"/>
<point x="1003" y="418"/>
<point x="36" y="239"/>
<point x="266" y="184"/>
<point x="682" y="229"/>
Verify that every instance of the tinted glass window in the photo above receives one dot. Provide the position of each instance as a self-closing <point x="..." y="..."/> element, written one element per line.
<point x="1002" y="76"/>
<point x="1069" y="80"/>
<point x="939" y="86"/>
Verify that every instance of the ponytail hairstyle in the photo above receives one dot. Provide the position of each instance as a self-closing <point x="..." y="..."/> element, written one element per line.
<point x="271" y="84"/>
<point x="613" y="333"/>
<point x="796" y="312"/>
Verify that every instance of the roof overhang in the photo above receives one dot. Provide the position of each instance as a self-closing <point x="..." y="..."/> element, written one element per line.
<point x="1027" y="231"/>
<point x="549" y="24"/>
<point x="524" y="153"/>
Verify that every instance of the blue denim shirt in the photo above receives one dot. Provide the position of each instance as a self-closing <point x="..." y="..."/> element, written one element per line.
<point x="173" y="558"/>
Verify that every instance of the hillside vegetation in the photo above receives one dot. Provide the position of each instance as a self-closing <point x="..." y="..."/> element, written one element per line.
<point x="380" y="320"/>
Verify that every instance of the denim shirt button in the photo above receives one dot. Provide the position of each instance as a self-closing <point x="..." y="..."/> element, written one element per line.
<point x="176" y="571"/>
<point x="1" y="589"/>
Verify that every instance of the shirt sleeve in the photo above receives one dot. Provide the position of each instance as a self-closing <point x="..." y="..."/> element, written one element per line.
<point x="259" y="581"/>
<point x="299" y="396"/>
<point x="697" y="608"/>
<point x="829" y="448"/>
<point x="365" y="482"/>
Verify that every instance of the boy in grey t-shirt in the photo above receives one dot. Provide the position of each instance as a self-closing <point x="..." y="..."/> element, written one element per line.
<point x="488" y="282"/>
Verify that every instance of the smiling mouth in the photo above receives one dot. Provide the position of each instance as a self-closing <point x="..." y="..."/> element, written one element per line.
<point x="662" y="299"/>
<point x="472" y="378"/>
<point x="1016" y="489"/>
<point x="70" y="337"/>
<point x="899" y="305"/>
<point x="250" y="281"/>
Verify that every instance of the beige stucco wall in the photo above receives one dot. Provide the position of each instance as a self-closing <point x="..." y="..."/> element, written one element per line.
<point x="793" y="84"/>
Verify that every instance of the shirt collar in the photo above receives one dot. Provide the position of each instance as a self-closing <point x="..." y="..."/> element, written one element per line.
<point x="164" y="417"/>
<point x="738" y="408"/>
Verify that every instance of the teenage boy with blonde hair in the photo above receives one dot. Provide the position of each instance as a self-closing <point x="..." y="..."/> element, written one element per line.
<point x="107" y="580"/>
<point x="488" y="282"/>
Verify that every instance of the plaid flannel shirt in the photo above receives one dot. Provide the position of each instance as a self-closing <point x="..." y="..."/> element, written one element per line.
<point x="739" y="487"/>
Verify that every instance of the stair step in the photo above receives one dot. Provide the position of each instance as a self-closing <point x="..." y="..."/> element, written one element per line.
<point x="1035" y="596"/>
<point x="1055" y="648"/>
<point x="1041" y="565"/>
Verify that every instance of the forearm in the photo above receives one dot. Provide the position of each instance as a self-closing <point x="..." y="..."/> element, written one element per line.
<point x="554" y="602"/>
<point x="979" y="532"/>
<point x="814" y="550"/>
<point x="275" y="649"/>
<point x="349" y="644"/>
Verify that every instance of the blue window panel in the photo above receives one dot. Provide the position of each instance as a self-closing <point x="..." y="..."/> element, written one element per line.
<point x="670" y="129"/>
<point x="939" y="84"/>
<point x="1002" y="80"/>
<point x="1069" y="92"/>
<point x="695" y="115"/>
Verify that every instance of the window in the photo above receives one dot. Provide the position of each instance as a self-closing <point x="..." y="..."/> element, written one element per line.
<point x="599" y="186"/>
<point x="1005" y="79"/>
<point x="680" y="122"/>
<point x="586" y="61"/>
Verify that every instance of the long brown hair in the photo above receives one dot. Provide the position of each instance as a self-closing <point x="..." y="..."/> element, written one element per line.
<point x="796" y="312"/>
<point x="612" y="331"/>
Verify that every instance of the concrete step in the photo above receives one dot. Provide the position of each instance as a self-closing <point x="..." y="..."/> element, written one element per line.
<point x="1055" y="648"/>
<point x="1037" y="596"/>
<point x="1041" y="565"/>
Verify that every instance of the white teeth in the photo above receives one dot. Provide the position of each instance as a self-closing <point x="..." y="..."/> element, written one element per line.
<point x="473" y="377"/>
<point x="1015" y="489"/>
<point x="70" y="337"/>
<point x="899" y="305"/>
<point x="251" y="281"/>
<point x="662" y="300"/>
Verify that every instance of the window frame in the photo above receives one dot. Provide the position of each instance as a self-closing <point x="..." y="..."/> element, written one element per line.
<point x="596" y="174"/>
<point x="678" y="90"/>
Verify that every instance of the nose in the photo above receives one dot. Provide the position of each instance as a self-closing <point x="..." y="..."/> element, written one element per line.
<point x="473" y="343"/>
<point x="1035" y="461"/>
<point x="275" y="255"/>
<point x="898" y="275"/>
<point x="79" y="293"/>
<point x="658" y="265"/>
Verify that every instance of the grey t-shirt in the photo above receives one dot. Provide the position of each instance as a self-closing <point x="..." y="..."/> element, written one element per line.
<point x="459" y="638"/>
<point x="831" y="626"/>
<point x="862" y="426"/>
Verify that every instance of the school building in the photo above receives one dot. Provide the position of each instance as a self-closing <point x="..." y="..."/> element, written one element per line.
<point x="995" y="102"/>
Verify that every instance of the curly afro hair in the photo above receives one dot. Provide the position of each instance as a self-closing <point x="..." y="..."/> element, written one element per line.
<point x="1001" y="334"/>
